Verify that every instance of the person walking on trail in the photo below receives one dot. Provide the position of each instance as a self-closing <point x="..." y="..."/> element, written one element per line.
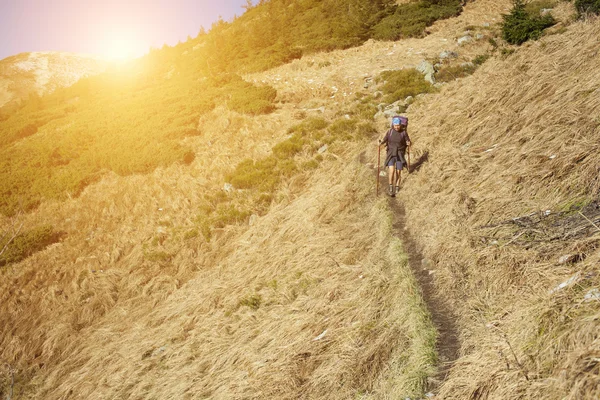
<point x="396" y="140"/>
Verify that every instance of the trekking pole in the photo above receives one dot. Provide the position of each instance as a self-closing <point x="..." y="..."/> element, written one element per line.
<point x="378" y="165"/>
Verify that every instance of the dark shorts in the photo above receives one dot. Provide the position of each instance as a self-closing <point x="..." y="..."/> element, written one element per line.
<point x="397" y="162"/>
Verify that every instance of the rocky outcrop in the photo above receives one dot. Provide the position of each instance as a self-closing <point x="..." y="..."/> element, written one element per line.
<point x="43" y="72"/>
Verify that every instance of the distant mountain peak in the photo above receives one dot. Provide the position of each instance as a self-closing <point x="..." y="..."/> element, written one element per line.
<point x="44" y="72"/>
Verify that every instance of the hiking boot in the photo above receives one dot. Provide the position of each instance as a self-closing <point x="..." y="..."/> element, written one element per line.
<point x="391" y="191"/>
<point x="397" y="189"/>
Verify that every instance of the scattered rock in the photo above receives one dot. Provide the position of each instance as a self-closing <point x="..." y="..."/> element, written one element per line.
<point x="409" y="100"/>
<point x="568" y="258"/>
<point x="425" y="263"/>
<point x="377" y="94"/>
<point x="486" y="24"/>
<point x="448" y="54"/>
<point x="479" y="36"/>
<point x="228" y="187"/>
<point x="382" y="173"/>
<point x="566" y="283"/>
<point x="591" y="295"/>
<point x="464" y="40"/>
<point x="391" y="112"/>
<point x="320" y="109"/>
<point x="322" y="149"/>
<point x="545" y="11"/>
<point x="252" y="219"/>
<point x="321" y="336"/>
<point x="427" y="69"/>
<point x="399" y="103"/>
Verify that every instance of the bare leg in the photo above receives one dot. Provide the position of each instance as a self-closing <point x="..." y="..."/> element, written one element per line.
<point x="399" y="178"/>
<point x="391" y="171"/>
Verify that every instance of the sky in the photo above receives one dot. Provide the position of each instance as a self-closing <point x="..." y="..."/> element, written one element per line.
<point x="113" y="29"/>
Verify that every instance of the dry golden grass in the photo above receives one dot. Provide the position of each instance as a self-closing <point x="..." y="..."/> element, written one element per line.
<point x="315" y="299"/>
<point x="519" y="136"/>
<point x="236" y="318"/>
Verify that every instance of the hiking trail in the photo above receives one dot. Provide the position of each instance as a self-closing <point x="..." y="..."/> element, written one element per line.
<point x="442" y="315"/>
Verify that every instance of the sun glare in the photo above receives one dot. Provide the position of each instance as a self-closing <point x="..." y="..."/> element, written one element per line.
<point x="121" y="47"/>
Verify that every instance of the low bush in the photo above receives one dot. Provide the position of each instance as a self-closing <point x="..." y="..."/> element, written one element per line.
<point x="520" y="26"/>
<point x="26" y="243"/>
<point x="342" y="128"/>
<point x="253" y="100"/>
<point x="309" y="127"/>
<point x="410" y="20"/>
<point x="249" y="174"/>
<point x="251" y="301"/>
<point x="451" y="73"/>
<point x="587" y="7"/>
<point x="289" y="148"/>
<point x="398" y="85"/>
<point x="480" y="59"/>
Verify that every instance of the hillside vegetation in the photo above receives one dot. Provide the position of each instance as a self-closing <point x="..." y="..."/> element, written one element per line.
<point x="39" y="73"/>
<point x="195" y="225"/>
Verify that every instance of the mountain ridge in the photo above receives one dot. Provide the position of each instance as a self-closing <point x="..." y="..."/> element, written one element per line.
<point x="180" y="283"/>
<point x="39" y="73"/>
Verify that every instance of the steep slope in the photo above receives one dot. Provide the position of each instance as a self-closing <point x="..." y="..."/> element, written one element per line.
<point x="510" y="187"/>
<point x="313" y="297"/>
<point x="42" y="72"/>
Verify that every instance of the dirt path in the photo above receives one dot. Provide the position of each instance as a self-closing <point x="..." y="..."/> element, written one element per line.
<point x="447" y="345"/>
<point x="441" y="313"/>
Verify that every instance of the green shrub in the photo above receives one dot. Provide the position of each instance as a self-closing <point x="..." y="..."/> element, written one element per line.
<point x="251" y="301"/>
<point x="191" y="233"/>
<point x="342" y="128"/>
<point x="26" y="243"/>
<point x="519" y="26"/>
<point x="228" y="214"/>
<point x="250" y="174"/>
<point x="397" y="85"/>
<point x="588" y="6"/>
<point x="365" y="110"/>
<point x="411" y="19"/>
<point x="159" y="256"/>
<point x="480" y="59"/>
<point x="310" y="164"/>
<point x="309" y="127"/>
<point x="289" y="148"/>
<point x="451" y="73"/>
<point x="254" y="100"/>
<point x="366" y="129"/>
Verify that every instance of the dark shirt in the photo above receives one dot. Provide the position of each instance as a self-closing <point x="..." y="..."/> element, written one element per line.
<point x="396" y="141"/>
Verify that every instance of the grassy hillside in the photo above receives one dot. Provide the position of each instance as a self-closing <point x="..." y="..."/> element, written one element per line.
<point x="34" y="74"/>
<point x="228" y="243"/>
<point x="508" y="217"/>
<point x="132" y="119"/>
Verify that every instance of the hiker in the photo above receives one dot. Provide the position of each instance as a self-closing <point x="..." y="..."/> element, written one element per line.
<point x="396" y="140"/>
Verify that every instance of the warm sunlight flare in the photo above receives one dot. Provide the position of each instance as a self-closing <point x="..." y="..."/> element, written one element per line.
<point x="121" y="46"/>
